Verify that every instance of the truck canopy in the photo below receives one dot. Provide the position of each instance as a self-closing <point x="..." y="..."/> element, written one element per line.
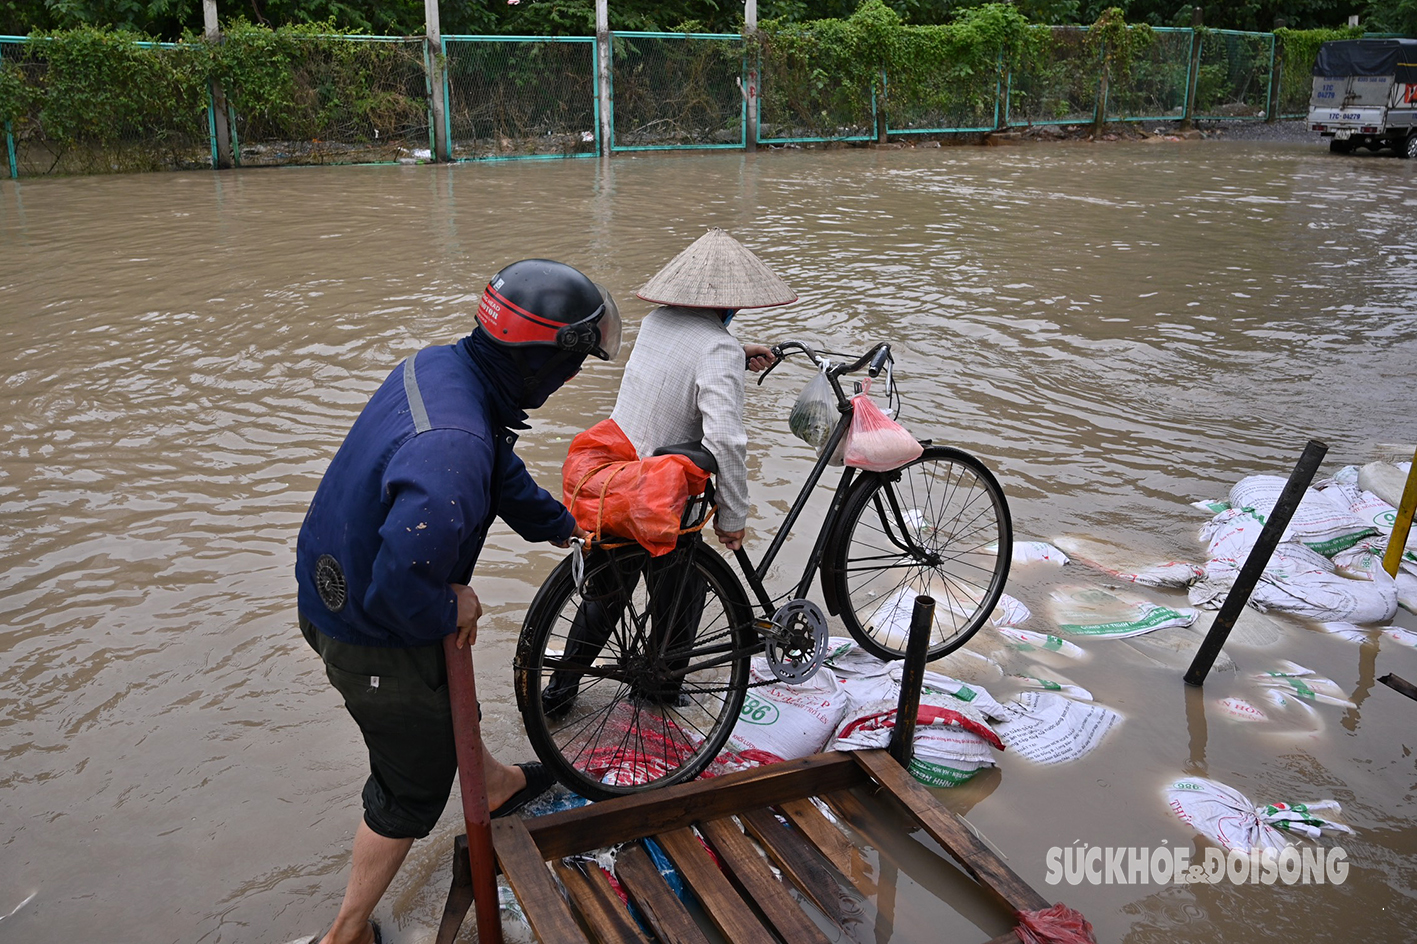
<point x="1344" y="57"/>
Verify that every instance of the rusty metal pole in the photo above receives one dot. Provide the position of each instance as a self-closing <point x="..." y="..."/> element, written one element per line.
<point x="467" y="736"/>
<point x="917" y="649"/>
<point x="1254" y="565"/>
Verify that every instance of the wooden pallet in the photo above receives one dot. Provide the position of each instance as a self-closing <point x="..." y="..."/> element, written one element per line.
<point x="726" y="812"/>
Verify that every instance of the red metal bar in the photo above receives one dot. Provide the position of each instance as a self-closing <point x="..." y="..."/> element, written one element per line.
<point x="467" y="735"/>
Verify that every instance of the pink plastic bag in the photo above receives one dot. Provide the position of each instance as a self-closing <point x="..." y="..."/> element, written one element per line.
<point x="875" y="442"/>
<point x="1056" y="925"/>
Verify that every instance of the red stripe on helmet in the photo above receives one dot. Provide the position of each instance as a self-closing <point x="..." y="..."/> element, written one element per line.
<point x="510" y="323"/>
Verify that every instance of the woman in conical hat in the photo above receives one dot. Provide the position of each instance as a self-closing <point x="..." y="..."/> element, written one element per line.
<point x="683" y="383"/>
<point x="684" y="379"/>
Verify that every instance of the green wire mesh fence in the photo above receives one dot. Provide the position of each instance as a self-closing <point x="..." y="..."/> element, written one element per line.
<point x="677" y="90"/>
<point x="520" y="96"/>
<point x="1154" y="87"/>
<point x="1294" y="66"/>
<point x="300" y="97"/>
<point x="142" y="108"/>
<point x="946" y="95"/>
<point x="1233" y="81"/>
<point x="805" y="95"/>
<point x="331" y="100"/>
<point x="1059" y="83"/>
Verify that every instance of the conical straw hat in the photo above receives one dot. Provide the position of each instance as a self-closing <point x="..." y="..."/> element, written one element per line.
<point x="717" y="271"/>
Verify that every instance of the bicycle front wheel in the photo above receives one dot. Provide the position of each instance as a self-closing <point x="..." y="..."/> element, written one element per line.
<point x="937" y="526"/>
<point x="636" y="680"/>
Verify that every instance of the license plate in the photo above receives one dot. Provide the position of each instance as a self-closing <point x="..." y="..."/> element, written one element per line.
<point x="1342" y="135"/>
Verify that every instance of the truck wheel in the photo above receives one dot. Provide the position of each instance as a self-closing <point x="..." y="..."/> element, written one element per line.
<point x="1340" y="147"/>
<point x="1408" y="149"/>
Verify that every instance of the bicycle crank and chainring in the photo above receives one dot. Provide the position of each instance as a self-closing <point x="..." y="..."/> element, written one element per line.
<point x="796" y="650"/>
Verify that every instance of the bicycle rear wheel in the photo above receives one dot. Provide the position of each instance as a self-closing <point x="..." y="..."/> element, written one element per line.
<point x="939" y="526"/>
<point x="622" y="689"/>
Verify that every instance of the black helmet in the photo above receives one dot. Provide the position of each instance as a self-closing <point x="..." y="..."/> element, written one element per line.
<point x="541" y="303"/>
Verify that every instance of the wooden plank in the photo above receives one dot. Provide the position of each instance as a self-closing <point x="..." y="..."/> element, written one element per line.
<point x="751" y="871"/>
<point x="550" y="917"/>
<point x="627" y="818"/>
<point x="809" y="870"/>
<point x="831" y="842"/>
<point x="726" y="909"/>
<point x="604" y="912"/>
<point x="667" y="917"/>
<point x="946" y="829"/>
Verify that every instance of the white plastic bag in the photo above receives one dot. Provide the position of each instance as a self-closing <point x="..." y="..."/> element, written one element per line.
<point x="875" y="442"/>
<point x="814" y="414"/>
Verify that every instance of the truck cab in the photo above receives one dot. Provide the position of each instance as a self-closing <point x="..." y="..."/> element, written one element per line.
<point x="1365" y="95"/>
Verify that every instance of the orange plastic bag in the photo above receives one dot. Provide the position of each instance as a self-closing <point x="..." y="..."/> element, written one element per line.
<point x="875" y="441"/>
<point x="611" y="490"/>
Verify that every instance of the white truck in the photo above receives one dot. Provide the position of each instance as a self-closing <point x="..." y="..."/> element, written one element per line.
<point x="1365" y="95"/>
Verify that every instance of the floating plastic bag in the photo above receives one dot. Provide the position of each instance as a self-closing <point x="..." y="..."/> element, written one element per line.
<point x="876" y="442"/>
<point x="610" y="489"/>
<point x="814" y="414"/>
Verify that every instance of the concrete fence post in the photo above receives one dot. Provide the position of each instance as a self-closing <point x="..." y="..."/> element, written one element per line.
<point x="220" y="127"/>
<point x="750" y="50"/>
<point x="442" y="147"/>
<point x="602" y="72"/>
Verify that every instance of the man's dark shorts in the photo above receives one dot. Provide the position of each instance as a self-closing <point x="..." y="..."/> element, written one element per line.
<point x="399" y="699"/>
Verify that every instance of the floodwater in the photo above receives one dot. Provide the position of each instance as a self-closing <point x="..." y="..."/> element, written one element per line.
<point x="1118" y="330"/>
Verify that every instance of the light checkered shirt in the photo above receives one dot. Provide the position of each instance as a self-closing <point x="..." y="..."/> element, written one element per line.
<point x="684" y="383"/>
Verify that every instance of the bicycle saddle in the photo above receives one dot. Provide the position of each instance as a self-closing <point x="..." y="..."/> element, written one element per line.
<point x="694" y="452"/>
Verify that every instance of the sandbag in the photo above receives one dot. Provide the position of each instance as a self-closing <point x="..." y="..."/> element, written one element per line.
<point x="787" y="721"/>
<point x="1321" y="522"/>
<point x="611" y="490"/>
<point x="1299" y="581"/>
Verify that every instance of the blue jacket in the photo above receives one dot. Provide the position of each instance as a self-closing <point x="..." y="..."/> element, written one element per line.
<point x="406" y="504"/>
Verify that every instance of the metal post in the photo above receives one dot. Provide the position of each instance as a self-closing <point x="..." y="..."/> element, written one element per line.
<point x="602" y="66"/>
<point x="1403" y="525"/>
<point x="917" y="648"/>
<point x="750" y="50"/>
<point x="220" y="128"/>
<point x="442" y="147"/>
<point x="1193" y="76"/>
<point x="1254" y="565"/>
<point x="882" y="122"/>
<point x="467" y="738"/>
<point x="1276" y="74"/>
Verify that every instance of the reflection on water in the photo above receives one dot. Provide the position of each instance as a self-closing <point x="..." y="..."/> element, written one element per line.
<point x="1117" y="330"/>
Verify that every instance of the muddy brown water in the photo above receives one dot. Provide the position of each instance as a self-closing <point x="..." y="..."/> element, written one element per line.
<point x="1117" y="330"/>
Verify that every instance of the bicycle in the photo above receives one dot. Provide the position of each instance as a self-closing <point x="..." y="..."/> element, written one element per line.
<point x="631" y="671"/>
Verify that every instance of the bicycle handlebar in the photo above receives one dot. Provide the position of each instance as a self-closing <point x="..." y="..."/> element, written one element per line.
<point x="877" y="358"/>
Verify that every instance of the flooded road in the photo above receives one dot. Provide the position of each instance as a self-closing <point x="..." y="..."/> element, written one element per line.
<point x="1117" y="330"/>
